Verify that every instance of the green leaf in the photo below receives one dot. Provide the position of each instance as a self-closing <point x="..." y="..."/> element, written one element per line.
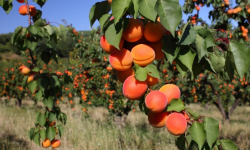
<point x="31" y="133"/>
<point x="113" y="34"/>
<point x="103" y="20"/>
<point x="7" y="6"/>
<point x="46" y="56"/>
<point x="32" y="86"/>
<point x="152" y="71"/>
<point x="40" y="2"/>
<point x="198" y="133"/>
<point x="98" y="10"/>
<point x="193" y="114"/>
<point x="50" y="133"/>
<point x="41" y="119"/>
<point x="200" y="46"/>
<point x="211" y="127"/>
<point x="170" y="14"/>
<point x="49" y="102"/>
<point x="60" y="130"/>
<point x="37" y="138"/>
<point x="52" y="117"/>
<point x="228" y="144"/>
<point x="188" y="36"/>
<point x="136" y="7"/>
<point x="15" y="34"/>
<point x="176" y="105"/>
<point x="119" y="8"/>
<point x="147" y="9"/>
<point x="181" y="67"/>
<point x="207" y="35"/>
<point x="43" y="134"/>
<point x="49" y="29"/>
<point x="55" y="81"/>
<point x="169" y="48"/>
<point x="33" y="29"/>
<point x="230" y="67"/>
<point x="181" y="142"/>
<point x="141" y="74"/>
<point x="187" y="57"/>
<point x="31" y="44"/>
<point x="241" y="57"/>
<point x="218" y="61"/>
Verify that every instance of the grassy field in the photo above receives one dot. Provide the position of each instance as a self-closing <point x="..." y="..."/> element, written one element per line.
<point x="97" y="131"/>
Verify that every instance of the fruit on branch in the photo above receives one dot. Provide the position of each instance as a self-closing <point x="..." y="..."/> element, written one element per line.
<point x="157" y="46"/>
<point x="55" y="143"/>
<point x="20" y="1"/>
<point x="24" y="70"/>
<point x="110" y="1"/>
<point x="24" y="11"/>
<point x="121" y="60"/>
<point x="107" y="47"/>
<point x="176" y="123"/>
<point x="171" y="91"/>
<point x="31" y="77"/>
<point x="123" y="75"/>
<point x="156" y="101"/>
<point x="143" y="54"/>
<point x="46" y="143"/>
<point x="197" y="7"/>
<point x="134" y="30"/>
<point x="157" y="120"/>
<point x="134" y="89"/>
<point x="153" y="32"/>
<point x="152" y="80"/>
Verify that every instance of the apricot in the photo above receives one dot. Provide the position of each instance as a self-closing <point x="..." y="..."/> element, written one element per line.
<point x="121" y="60"/>
<point x="31" y="78"/>
<point x="157" y="120"/>
<point x="123" y="75"/>
<point x="133" y="31"/>
<point x="24" y="11"/>
<point x="248" y="10"/>
<point x="153" y="32"/>
<point x="176" y="123"/>
<point x="20" y="1"/>
<point x="152" y="80"/>
<point x="171" y="91"/>
<point x="143" y="54"/>
<point x="230" y="12"/>
<point x="157" y="46"/>
<point x="110" y="1"/>
<point x="46" y="143"/>
<point x="55" y="143"/>
<point x="134" y="89"/>
<point x="24" y="70"/>
<point x="156" y="101"/>
<point x="107" y="47"/>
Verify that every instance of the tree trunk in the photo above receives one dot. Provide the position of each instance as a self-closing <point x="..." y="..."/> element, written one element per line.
<point x="19" y="102"/>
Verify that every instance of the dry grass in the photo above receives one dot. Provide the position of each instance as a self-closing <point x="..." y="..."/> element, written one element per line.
<point x="97" y="131"/>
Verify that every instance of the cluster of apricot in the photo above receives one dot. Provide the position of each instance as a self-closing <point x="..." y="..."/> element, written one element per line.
<point x="27" y="72"/>
<point x="54" y="143"/>
<point x="244" y="32"/>
<point x="143" y="46"/>
<point x="139" y="44"/>
<point x="193" y="19"/>
<point x="23" y="10"/>
<point x="234" y="11"/>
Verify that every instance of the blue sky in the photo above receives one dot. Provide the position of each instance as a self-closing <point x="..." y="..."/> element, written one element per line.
<point x="75" y="12"/>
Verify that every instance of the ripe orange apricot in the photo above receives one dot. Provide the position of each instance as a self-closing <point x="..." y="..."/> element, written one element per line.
<point x="55" y="143"/>
<point x="24" y="11"/>
<point x="171" y="91"/>
<point x="156" y="101"/>
<point x="133" y="31"/>
<point x="46" y="143"/>
<point x="157" y="46"/>
<point x="20" y="1"/>
<point x="121" y="60"/>
<point x="31" y="78"/>
<point x="152" y="80"/>
<point x="176" y="123"/>
<point x="110" y="1"/>
<point x="153" y="32"/>
<point x="123" y="75"/>
<point x="134" y="89"/>
<point x="248" y="10"/>
<point x="143" y="54"/>
<point x="157" y="120"/>
<point x="230" y="12"/>
<point x="107" y="47"/>
<point x="24" y="70"/>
